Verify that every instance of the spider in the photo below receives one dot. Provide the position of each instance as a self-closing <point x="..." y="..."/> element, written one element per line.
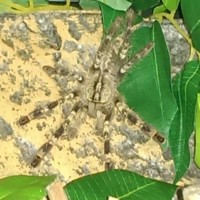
<point x="96" y="93"/>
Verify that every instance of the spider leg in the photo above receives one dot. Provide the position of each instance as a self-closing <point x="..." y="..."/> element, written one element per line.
<point x="63" y="71"/>
<point x="106" y="44"/>
<point x="108" y="118"/>
<point x="46" y="147"/>
<point x="134" y="119"/>
<point x="130" y="28"/>
<point x="122" y="60"/>
<point x="156" y="136"/>
<point x="102" y="128"/>
<point x="37" y="113"/>
<point x="100" y="123"/>
<point x="43" y="110"/>
<point x="75" y="119"/>
<point x="159" y="138"/>
<point x="128" y="63"/>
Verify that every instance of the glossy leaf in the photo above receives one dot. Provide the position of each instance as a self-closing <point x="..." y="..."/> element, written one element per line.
<point x="122" y="5"/>
<point x="185" y="88"/>
<point x="27" y="4"/>
<point x="24" y="3"/>
<point x="159" y="9"/>
<point x="171" y="5"/>
<point x="88" y="4"/>
<point x="24" y="187"/>
<point x="30" y="6"/>
<point x="197" y="133"/>
<point x="109" y="15"/>
<point x="147" y="86"/>
<point x="119" y="184"/>
<point x="6" y="6"/>
<point x="192" y="20"/>
<point x="144" y="4"/>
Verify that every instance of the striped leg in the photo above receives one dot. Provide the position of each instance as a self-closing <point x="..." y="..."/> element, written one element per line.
<point x="44" y="110"/>
<point x="37" y="113"/>
<point x="134" y="119"/>
<point x="103" y="129"/>
<point x="128" y="63"/>
<point x="124" y="61"/>
<point x="106" y="134"/>
<point x="46" y="147"/>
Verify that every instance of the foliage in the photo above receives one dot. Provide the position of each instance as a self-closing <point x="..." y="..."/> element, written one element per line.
<point x="24" y="187"/>
<point x="167" y="104"/>
<point x="29" y="6"/>
<point x="185" y="88"/>
<point x="197" y="136"/>
<point x="119" y="184"/>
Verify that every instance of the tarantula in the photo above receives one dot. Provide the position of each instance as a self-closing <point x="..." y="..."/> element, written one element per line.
<point x="97" y="94"/>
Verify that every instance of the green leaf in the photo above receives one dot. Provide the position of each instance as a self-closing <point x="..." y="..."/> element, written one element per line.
<point x="24" y="187"/>
<point x="171" y="5"/>
<point x="185" y="88"/>
<point x="120" y="184"/>
<point x="26" y="3"/>
<point x="19" y="5"/>
<point x="147" y="86"/>
<point x="88" y="4"/>
<point x="109" y="15"/>
<point x="159" y="9"/>
<point x="144" y="4"/>
<point x="5" y="6"/>
<point x="122" y="5"/>
<point x="192" y="20"/>
<point x="197" y="133"/>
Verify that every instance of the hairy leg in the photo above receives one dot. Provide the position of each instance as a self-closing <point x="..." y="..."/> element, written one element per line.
<point x="46" y="147"/>
<point x="134" y="119"/>
<point x="38" y="113"/>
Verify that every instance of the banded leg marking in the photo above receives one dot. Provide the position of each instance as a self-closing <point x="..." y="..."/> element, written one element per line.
<point x="37" y="113"/>
<point x="133" y="120"/>
<point x="135" y="58"/>
<point x="108" y="164"/>
<point x="46" y="147"/>
<point x="41" y="111"/>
